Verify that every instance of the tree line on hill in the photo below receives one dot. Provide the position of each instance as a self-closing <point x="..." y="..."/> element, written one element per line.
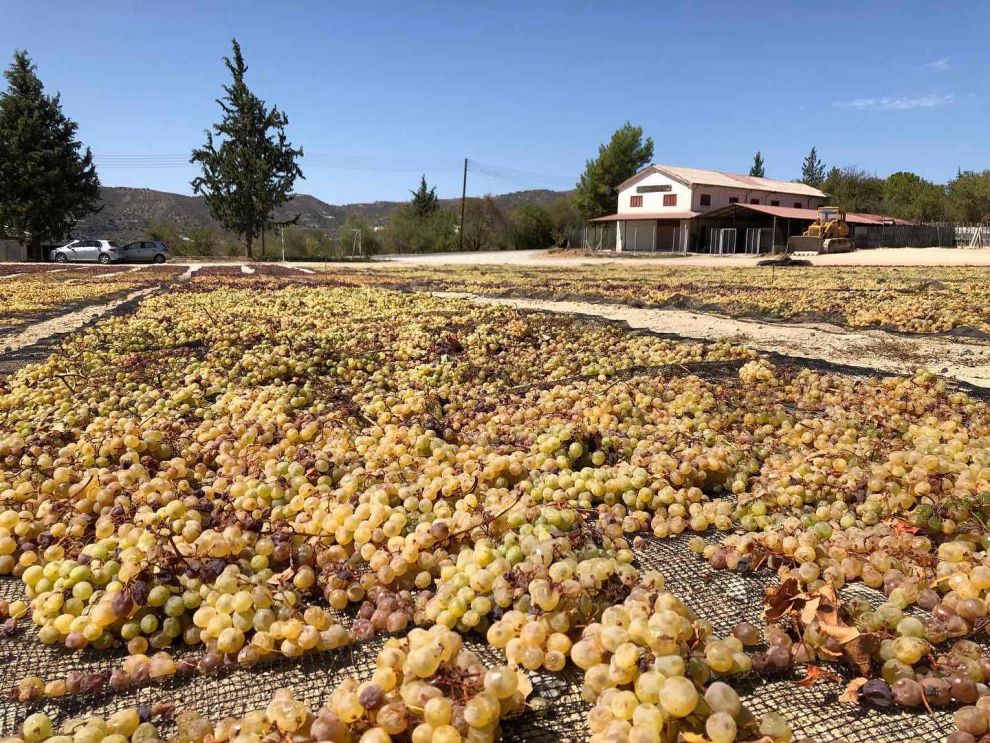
<point x="964" y="199"/>
<point x="423" y="225"/>
<point x="48" y="182"/>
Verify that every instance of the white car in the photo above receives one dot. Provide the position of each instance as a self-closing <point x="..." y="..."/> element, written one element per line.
<point x="87" y="251"/>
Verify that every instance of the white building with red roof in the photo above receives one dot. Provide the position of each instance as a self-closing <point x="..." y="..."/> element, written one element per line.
<point x="660" y="208"/>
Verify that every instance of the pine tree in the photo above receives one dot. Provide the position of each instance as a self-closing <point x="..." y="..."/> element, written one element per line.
<point x="757" y="170"/>
<point x="47" y="181"/>
<point x="425" y="201"/>
<point x="626" y="153"/>
<point x="813" y="170"/>
<point x="252" y="172"/>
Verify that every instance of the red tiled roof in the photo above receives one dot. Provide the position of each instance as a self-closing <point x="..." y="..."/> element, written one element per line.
<point x="808" y="215"/>
<point x="783" y="212"/>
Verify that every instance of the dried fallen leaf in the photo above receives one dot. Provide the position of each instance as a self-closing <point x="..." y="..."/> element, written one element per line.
<point x="810" y="610"/>
<point x="280" y="578"/>
<point x="780" y="600"/>
<point x="829" y="618"/>
<point x="851" y="694"/>
<point x="860" y="651"/>
<point x="815" y="674"/>
<point x="903" y="527"/>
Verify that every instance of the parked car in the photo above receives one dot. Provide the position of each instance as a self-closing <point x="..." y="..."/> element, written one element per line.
<point x="87" y="251"/>
<point x="145" y="251"/>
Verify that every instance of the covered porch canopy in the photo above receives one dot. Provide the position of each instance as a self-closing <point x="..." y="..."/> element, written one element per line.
<point x="804" y="215"/>
<point x="750" y="228"/>
<point x="650" y="231"/>
<point x="760" y="228"/>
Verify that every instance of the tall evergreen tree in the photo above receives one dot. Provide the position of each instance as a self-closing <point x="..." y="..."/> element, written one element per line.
<point x="757" y="170"/>
<point x="252" y="172"/>
<point x="625" y="154"/>
<point x="813" y="169"/>
<point x="425" y="201"/>
<point x="47" y="181"/>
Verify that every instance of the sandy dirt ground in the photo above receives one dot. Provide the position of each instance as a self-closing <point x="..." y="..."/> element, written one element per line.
<point x="868" y="349"/>
<point x="880" y="257"/>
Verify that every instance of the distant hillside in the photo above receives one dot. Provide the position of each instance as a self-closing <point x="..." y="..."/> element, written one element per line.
<point x="127" y="212"/>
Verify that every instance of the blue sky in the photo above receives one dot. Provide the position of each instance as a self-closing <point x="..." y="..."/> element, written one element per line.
<point x="378" y="92"/>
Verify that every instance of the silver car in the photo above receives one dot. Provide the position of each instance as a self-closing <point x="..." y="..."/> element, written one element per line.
<point x="87" y="251"/>
<point x="145" y="251"/>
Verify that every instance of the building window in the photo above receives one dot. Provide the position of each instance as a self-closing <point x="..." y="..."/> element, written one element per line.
<point x="670" y="199"/>
<point x="733" y="199"/>
<point x="797" y="204"/>
<point x="774" y="203"/>
<point x="705" y="199"/>
<point x="635" y="201"/>
<point x="754" y="201"/>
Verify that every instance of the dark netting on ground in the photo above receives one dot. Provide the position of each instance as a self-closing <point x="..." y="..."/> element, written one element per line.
<point x="557" y="711"/>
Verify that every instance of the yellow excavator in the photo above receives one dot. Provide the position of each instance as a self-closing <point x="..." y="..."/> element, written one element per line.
<point x="830" y="234"/>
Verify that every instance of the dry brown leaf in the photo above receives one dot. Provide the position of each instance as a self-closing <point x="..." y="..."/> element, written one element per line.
<point x="860" y="651"/>
<point x="851" y="694"/>
<point x="841" y="633"/>
<point x="279" y="578"/>
<point x="828" y="616"/>
<point x="810" y="610"/>
<point x="903" y="527"/>
<point x="815" y="674"/>
<point x="780" y="600"/>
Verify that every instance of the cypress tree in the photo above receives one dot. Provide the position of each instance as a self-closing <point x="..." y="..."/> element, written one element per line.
<point x="47" y="180"/>
<point x="425" y="202"/>
<point x="252" y="171"/>
<point x="813" y="169"/>
<point x="758" y="170"/>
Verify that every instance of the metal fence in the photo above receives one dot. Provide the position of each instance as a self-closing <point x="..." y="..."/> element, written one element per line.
<point x="904" y="235"/>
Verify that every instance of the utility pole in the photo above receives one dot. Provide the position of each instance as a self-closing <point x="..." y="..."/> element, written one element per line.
<point x="463" y="199"/>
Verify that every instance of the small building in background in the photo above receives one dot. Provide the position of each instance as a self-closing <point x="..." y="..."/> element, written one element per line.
<point x="667" y="208"/>
<point x="662" y="207"/>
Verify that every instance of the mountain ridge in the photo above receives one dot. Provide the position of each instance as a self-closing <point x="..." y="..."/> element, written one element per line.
<point x="127" y="212"/>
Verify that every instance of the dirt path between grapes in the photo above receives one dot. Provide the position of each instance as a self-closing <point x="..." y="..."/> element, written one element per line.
<point x="38" y="339"/>
<point x="66" y="323"/>
<point x="868" y="349"/>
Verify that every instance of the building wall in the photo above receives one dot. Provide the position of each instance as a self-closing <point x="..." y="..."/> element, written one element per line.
<point x="653" y="202"/>
<point x="689" y="199"/>
<point x="721" y="196"/>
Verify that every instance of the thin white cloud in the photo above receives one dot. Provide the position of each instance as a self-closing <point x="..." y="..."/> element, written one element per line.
<point x="939" y="65"/>
<point x="898" y="103"/>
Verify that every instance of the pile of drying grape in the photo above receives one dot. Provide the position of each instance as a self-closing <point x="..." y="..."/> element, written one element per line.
<point x="26" y="295"/>
<point x="912" y="300"/>
<point x="256" y="469"/>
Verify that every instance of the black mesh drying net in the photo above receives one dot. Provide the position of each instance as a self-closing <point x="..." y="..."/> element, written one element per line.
<point x="557" y="711"/>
